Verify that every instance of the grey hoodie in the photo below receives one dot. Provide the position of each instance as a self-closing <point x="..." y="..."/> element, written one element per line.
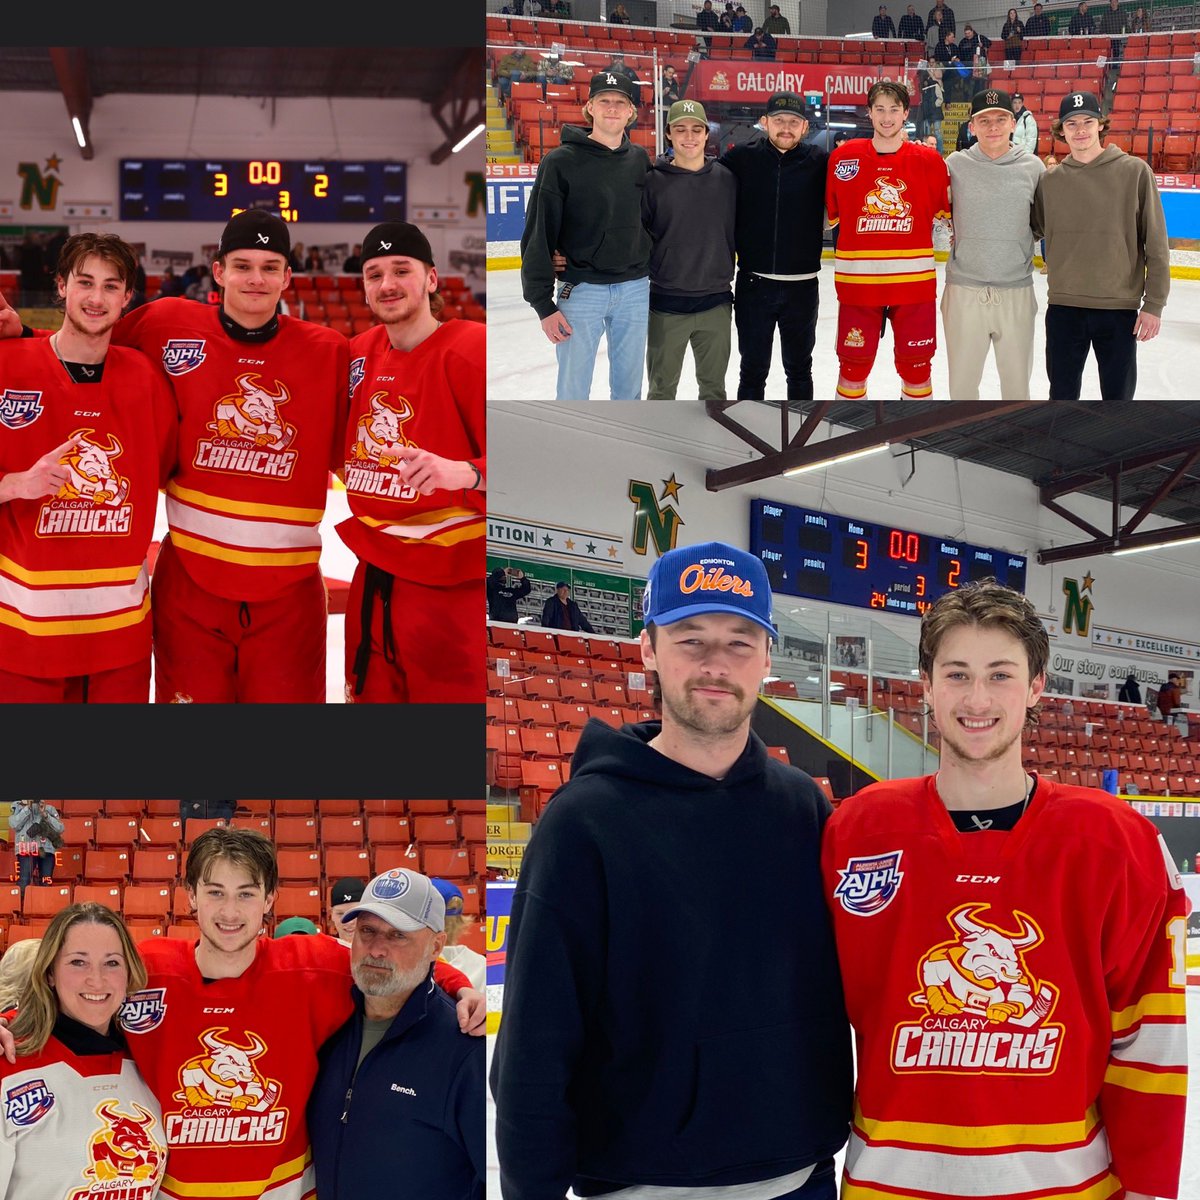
<point x="991" y="200"/>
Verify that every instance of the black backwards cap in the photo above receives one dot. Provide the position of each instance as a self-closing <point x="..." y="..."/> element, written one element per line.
<point x="254" y="229"/>
<point x="396" y="237"/>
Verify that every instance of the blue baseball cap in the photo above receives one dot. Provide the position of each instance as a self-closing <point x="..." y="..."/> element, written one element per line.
<point x="712" y="577"/>
<point x="451" y="894"/>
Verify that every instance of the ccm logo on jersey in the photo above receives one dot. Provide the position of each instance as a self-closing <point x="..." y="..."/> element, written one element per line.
<point x="957" y="879"/>
<point x="869" y="885"/>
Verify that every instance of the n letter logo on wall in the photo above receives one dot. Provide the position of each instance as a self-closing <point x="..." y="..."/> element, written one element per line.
<point x="651" y="521"/>
<point x="1077" y="612"/>
<point x="39" y="187"/>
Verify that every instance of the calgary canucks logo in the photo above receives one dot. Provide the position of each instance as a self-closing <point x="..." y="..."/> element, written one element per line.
<point x="92" y="498"/>
<point x="984" y="1011"/>
<point x="127" y="1160"/>
<point x="885" y="209"/>
<point x="250" y="434"/>
<point x="379" y="445"/>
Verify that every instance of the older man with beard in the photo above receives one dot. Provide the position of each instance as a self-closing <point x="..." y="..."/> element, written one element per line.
<point x="399" y="1094"/>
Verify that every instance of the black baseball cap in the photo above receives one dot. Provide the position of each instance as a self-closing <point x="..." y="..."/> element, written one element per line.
<point x="1079" y="104"/>
<point x="991" y="100"/>
<point x="786" y="102"/>
<point x="613" y="81"/>
<point x="255" y="229"/>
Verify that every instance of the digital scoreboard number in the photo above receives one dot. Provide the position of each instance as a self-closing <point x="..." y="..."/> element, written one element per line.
<point x="866" y="564"/>
<point x="211" y="189"/>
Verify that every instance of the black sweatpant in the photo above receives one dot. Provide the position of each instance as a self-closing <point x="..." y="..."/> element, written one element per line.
<point x="758" y="306"/>
<point x="1072" y="332"/>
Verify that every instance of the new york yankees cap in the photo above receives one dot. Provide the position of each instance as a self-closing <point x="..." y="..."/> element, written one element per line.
<point x="1079" y="104"/>
<point x="991" y="100"/>
<point x="399" y="238"/>
<point x="254" y="229"/>
<point x="613" y="81"/>
<point x="686" y="110"/>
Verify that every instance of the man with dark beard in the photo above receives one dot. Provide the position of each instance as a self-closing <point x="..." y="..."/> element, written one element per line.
<point x="399" y="1093"/>
<point x="604" y="1078"/>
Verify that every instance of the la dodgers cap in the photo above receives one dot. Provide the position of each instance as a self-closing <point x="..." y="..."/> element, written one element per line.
<point x="405" y="900"/>
<point x="254" y="229"/>
<point x="686" y="110"/>
<point x="613" y="81"/>
<point x="396" y="238"/>
<point x="991" y="100"/>
<point x="786" y="102"/>
<point x="1079" y="104"/>
<point x="712" y="577"/>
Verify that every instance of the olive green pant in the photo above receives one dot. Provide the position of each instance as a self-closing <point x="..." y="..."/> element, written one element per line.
<point x="708" y="333"/>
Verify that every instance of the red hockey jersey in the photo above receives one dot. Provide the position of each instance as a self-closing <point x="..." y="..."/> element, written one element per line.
<point x="431" y="397"/>
<point x="73" y="580"/>
<point x="1017" y="997"/>
<point x="884" y="206"/>
<point x="261" y="428"/>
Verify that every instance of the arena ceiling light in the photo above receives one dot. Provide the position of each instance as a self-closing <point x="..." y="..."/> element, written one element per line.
<point x="470" y="137"/>
<point x="1157" y="546"/>
<point x="839" y="458"/>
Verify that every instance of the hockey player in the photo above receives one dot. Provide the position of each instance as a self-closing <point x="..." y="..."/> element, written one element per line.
<point x="414" y="468"/>
<point x="87" y="437"/>
<point x="227" y="1029"/>
<point x="238" y="600"/>
<point x="1012" y="951"/>
<point x="884" y="194"/>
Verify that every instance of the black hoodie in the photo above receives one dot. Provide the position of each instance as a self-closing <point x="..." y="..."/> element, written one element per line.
<point x="672" y="1008"/>
<point x="586" y="203"/>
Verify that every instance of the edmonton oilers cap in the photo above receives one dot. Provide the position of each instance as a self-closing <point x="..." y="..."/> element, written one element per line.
<point x="404" y="899"/>
<point x="712" y="577"/>
<point x="254" y="229"/>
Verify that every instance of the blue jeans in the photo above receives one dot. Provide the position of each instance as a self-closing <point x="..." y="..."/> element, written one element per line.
<point x="620" y="312"/>
<point x="25" y="867"/>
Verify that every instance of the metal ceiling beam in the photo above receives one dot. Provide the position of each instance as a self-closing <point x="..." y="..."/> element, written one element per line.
<point x="460" y="102"/>
<point x="891" y="430"/>
<point x="1106" y="545"/>
<point x="70" y="68"/>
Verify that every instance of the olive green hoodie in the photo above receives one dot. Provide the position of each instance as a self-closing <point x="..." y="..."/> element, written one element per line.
<point x="1106" y="237"/>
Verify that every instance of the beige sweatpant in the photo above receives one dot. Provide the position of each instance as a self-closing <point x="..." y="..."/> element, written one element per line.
<point x="977" y="318"/>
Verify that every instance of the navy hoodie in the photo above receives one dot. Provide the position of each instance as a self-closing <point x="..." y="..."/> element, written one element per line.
<point x="672" y="1009"/>
<point x="587" y="203"/>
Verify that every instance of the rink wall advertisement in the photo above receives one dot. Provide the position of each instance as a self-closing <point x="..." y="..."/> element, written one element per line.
<point x="508" y="188"/>
<point x="748" y="83"/>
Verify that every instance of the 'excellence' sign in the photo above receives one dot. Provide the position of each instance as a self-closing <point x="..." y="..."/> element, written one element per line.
<point x="745" y="83"/>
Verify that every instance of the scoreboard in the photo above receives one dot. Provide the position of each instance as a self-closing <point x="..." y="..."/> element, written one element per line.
<point x="867" y="564"/>
<point x="213" y="189"/>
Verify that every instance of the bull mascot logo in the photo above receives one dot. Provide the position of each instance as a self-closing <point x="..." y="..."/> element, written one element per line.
<point x="225" y="1076"/>
<point x="378" y="437"/>
<point x="252" y="414"/>
<point x="982" y="973"/>
<point x="123" y="1148"/>
<point x="886" y="200"/>
<point x="90" y="473"/>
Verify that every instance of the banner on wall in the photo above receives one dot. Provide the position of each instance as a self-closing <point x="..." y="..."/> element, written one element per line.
<point x="751" y="82"/>
<point x="1132" y="642"/>
<point x="508" y="188"/>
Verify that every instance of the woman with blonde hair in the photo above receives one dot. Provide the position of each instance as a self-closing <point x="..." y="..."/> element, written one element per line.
<point x="14" y="971"/>
<point x="77" y="1118"/>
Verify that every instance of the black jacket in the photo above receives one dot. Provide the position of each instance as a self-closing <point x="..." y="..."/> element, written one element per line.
<point x="693" y="255"/>
<point x="912" y="28"/>
<point x="503" y="594"/>
<point x="553" y="616"/>
<point x="947" y="18"/>
<point x="1081" y="23"/>
<point x="882" y="27"/>
<point x="780" y="206"/>
<point x="587" y="203"/>
<point x="696" y="1054"/>
<point x="1037" y="26"/>
<point x="1130" y="693"/>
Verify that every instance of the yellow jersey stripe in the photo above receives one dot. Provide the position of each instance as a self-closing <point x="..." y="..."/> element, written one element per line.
<point x="249" y="558"/>
<point x="1153" y="1004"/>
<point x="975" y="1137"/>
<point x="248" y="1187"/>
<point x="275" y="512"/>
<point x="915" y="278"/>
<point x="919" y="252"/>
<point x="1106" y="1187"/>
<point x="68" y="626"/>
<point x="89" y="575"/>
<point x="1156" y="1083"/>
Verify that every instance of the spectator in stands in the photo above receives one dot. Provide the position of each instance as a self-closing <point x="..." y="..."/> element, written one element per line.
<point x="470" y="962"/>
<point x="741" y="21"/>
<point x="618" y="16"/>
<point x="776" y="24"/>
<point x="597" y="864"/>
<point x="592" y="181"/>
<point x="37" y="833"/>
<point x="72" y="1062"/>
<point x="933" y="34"/>
<point x="1038" y="24"/>
<point x="707" y="20"/>
<point x="881" y="26"/>
<point x="1130" y="692"/>
<point x="670" y="88"/>
<point x="295" y="258"/>
<point x="725" y="22"/>
<point x="945" y="53"/>
<point x="343" y="896"/>
<point x="1013" y="34"/>
<point x="413" y="633"/>
<point x="202" y="287"/>
<point x="971" y="45"/>
<point x="138" y="294"/>
<point x="292" y="925"/>
<point x="780" y="218"/>
<point x="762" y="45"/>
<point x="966" y="136"/>
<point x="930" y="112"/>
<point x="1102" y="217"/>
<point x="1025" y="134"/>
<point x="946" y="18"/>
<point x="561" y="9"/>
<point x="1170" y="697"/>
<point x="559" y="70"/>
<point x="353" y="264"/>
<point x="216" y="809"/>
<point x="314" y="262"/>
<point x="505" y="586"/>
<point x="691" y="296"/>
<point x="1082" y="22"/>
<point x="562" y="612"/>
<point x="1112" y="22"/>
<point x="171" y="284"/>
<point x="402" y="1027"/>
<point x="1067" y="709"/>
<point x="517" y="67"/>
<point x="911" y="27"/>
<point x="1139" y="22"/>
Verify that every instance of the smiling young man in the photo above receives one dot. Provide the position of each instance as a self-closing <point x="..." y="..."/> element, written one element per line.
<point x="884" y="194"/>
<point x="988" y="300"/>
<point x="414" y="466"/>
<point x="586" y="204"/>
<point x="604" y="1081"/>
<point x="87" y="437"/>
<point x="691" y="299"/>
<point x="1107" y="253"/>
<point x="238" y="601"/>
<point x="1043" y="1049"/>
